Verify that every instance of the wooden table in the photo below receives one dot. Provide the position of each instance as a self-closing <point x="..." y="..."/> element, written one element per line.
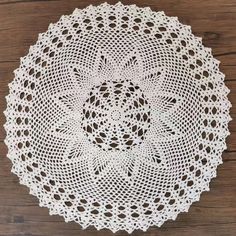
<point x="215" y="22"/>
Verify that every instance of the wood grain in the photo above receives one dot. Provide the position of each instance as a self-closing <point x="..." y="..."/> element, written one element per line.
<point x="214" y="21"/>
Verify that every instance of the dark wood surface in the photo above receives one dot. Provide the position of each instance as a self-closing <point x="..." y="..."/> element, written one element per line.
<point x="215" y="22"/>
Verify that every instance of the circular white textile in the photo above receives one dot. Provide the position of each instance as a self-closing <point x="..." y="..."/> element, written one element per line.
<point x="117" y="117"/>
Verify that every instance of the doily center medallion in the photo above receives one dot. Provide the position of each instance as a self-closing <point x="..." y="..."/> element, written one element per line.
<point x="116" y="115"/>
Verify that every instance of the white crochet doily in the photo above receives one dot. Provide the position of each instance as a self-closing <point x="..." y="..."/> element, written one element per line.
<point x="117" y="117"/>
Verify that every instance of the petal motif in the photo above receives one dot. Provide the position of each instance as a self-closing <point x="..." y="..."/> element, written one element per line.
<point x="69" y="127"/>
<point x="71" y="100"/>
<point x="163" y="130"/>
<point x="126" y="165"/>
<point x="162" y="116"/>
<point x="82" y="76"/>
<point x="77" y="149"/>
<point x="152" y="80"/>
<point x="151" y="152"/>
<point x="101" y="164"/>
<point x="165" y="102"/>
<point x="104" y="68"/>
<point x="71" y="104"/>
<point x="130" y="68"/>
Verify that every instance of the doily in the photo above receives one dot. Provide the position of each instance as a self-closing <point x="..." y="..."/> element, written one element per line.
<point x="117" y="118"/>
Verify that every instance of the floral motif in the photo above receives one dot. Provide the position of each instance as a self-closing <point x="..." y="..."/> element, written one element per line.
<point x="115" y="115"/>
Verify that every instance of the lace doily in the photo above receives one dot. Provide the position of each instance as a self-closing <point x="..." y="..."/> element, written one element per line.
<point x="117" y="117"/>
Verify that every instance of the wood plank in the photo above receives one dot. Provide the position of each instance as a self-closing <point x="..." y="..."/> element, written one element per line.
<point x="20" y="211"/>
<point x="214" y="21"/>
<point x="230" y="84"/>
